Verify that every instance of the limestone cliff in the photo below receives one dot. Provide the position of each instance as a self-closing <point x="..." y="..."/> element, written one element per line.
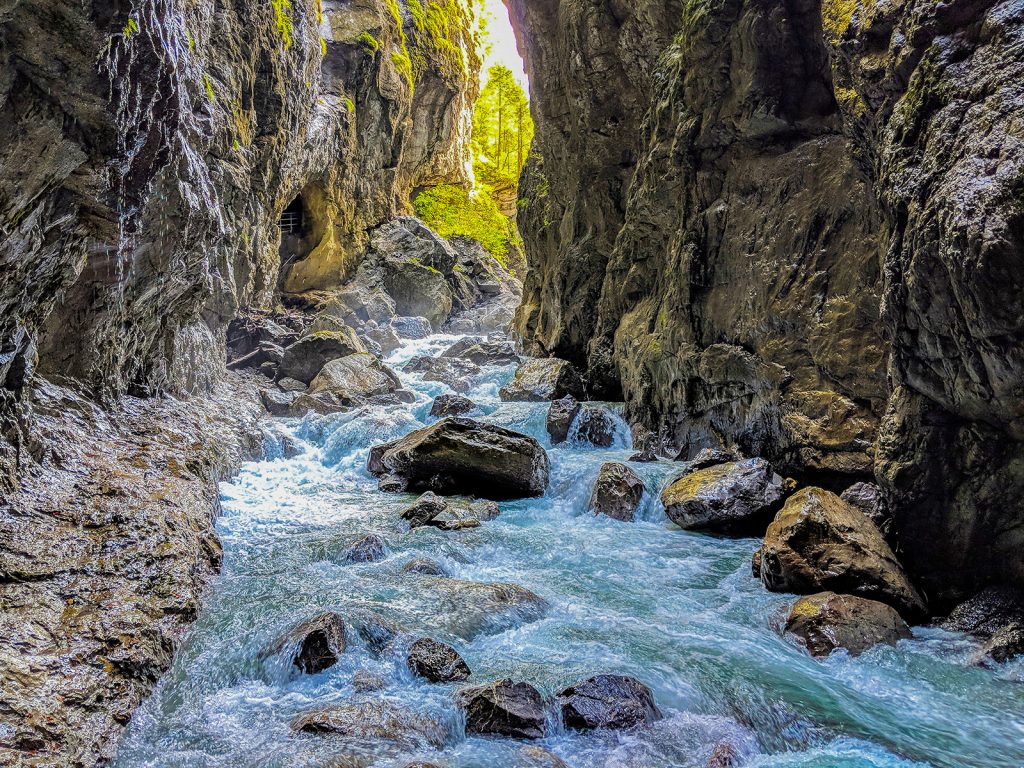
<point x="800" y="226"/>
<point x="149" y="149"/>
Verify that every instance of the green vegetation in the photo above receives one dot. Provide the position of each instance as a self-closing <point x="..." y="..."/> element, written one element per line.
<point x="453" y="212"/>
<point x="369" y="43"/>
<point x="403" y="64"/>
<point x="131" y="28"/>
<point x="350" y="106"/>
<point x="284" y="21"/>
<point x="208" y="84"/>
<point x="502" y="130"/>
<point x="836" y="16"/>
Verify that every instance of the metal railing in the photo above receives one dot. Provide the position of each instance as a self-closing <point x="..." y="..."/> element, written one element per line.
<point x="291" y="222"/>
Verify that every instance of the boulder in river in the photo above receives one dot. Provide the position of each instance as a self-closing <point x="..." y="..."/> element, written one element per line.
<point x="355" y="379"/>
<point x="366" y="550"/>
<point x="374" y="720"/>
<point x="827" y="621"/>
<point x="617" y="493"/>
<point x="468" y="609"/>
<point x="503" y="708"/>
<point x="560" y="417"/>
<point x="304" y="359"/>
<point x="724" y="755"/>
<point x="595" y="426"/>
<point x="318" y="643"/>
<point x="612" y="702"/>
<point x="462" y="456"/>
<point x="411" y="327"/>
<point x="452" y="405"/>
<point x="819" y="542"/>
<point x="738" y="497"/>
<point x="483" y="352"/>
<point x="424" y="510"/>
<point x="425" y="567"/>
<point x="457" y="374"/>
<point x="538" y="757"/>
<point x="437" y="662"/>
<point x="541" y="379"/>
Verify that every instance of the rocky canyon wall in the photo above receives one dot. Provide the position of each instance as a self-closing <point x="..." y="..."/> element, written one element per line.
<point x="795" y="228"/>
<point x="149" y="149"/>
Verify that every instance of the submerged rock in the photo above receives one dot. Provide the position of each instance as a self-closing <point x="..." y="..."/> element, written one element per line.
<point x="738" y="497"/>
<point x="367" y="682"/>
<point x="462" y="456"/>
<point x="377" y="720"/>
<point x="367" y="550"/>
<point x="304" y="359"/>
<point x="425" y="567"/>
<point x="437" y="662"/>
<point x="724" y="755"/>
<point x="819" y="542"/>
<point x="617" y="493"/>
<point x="452" y="405"/>
<point x="543" y="379"/>
<point x="503" y="708"/>
<point x="318" y="643"/>
<point x="378" y="632"/>
<point x="424" y="510"/>
<point x="469" y="609"/>
<point x="355" y="379"/>
<point x="827" y="621"/>
<point x="607" y="701"/>
<point x="538" y="757"/>
<point x="560" y="417"/>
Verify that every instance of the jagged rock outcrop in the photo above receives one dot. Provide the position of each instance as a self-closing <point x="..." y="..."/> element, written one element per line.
<point x="142" y="197"/>
<point x="799" y="224"/>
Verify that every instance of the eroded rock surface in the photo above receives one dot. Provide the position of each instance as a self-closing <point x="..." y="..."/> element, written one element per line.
<point x="542" y="379"/>
<point x="827" y="621"/>
<point x="819" y="542"/>
<point x="611" y="702"/>
<point x="462" y="456"/>
<point x="617" y="492"/>
<point x="738" y="497"/>
<point x="504" y="708"/>
<point x="437" y="662"/>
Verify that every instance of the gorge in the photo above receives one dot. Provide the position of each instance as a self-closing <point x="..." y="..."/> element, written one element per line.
<point x="289" y="479"/>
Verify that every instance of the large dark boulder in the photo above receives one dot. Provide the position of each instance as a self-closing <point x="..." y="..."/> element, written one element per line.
<point x="437" y="662"/>
<point x="595" y="426"/>
<point x="827" y="621"/>
<point x="617" y="493"/>
<point x="304" y="359"/>
<point x="315" y="644"/>
<point x="818" y="543"/>
<point x="453" y="372"/>
<point x="1005" y="645"/>
<point x="867" y="497"/>
<point x="607" y="701"/>
<point x="452" y="405"/>
<point x="738" y="497"/>
<point x="987" y="612"/>
<point x="367" y="550"/>
<point x="561" y="415"/>
<point x="503" y="708"/>
<point x="542" y="379"/>
<point x="483" y="352"/>
<point x="462" y="456"/>
<point x="355" y="379"/>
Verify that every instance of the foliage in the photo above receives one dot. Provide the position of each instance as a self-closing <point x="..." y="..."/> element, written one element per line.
<point x="130" y="29"/>
<point x="208" y="84"/>
<point x="403" y="64"/>
<point x="284" y="21"/>
<point x="369" y="42"/>
<point x="502" y="130"/>
<point x="452" y="212"/>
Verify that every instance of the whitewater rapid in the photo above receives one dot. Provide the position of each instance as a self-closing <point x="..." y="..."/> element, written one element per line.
<point x="678" y="610"/>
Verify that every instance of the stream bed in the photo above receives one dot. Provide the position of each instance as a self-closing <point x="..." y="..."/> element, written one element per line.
<point x="678" y="610"/>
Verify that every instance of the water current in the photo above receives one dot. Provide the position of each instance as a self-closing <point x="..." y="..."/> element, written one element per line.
<point x="678" y="610"/>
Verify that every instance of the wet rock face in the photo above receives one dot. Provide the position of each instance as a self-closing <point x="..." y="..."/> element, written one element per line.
<point x="504" y="708"/>
<point x="459" y="456"/>
<point x="819" y="542"/>
<point x="437" y="662"/>
<point x="827" y="621"/>
<point x="738" y="497"/>
<point x="318" y="643"/>
<point x="868" y="156"/>
<point x="451" y="405"/>
<point x="607" y="701"/>
<point x="561" y="415"/>
<point x="617" y="493"/>
<point x="304" y="359"/>
<point x="355" y="379"/>
<point x="377" y="720"/>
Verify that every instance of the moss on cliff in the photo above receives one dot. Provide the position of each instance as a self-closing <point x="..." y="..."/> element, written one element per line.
<point x="453" y="212"/>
